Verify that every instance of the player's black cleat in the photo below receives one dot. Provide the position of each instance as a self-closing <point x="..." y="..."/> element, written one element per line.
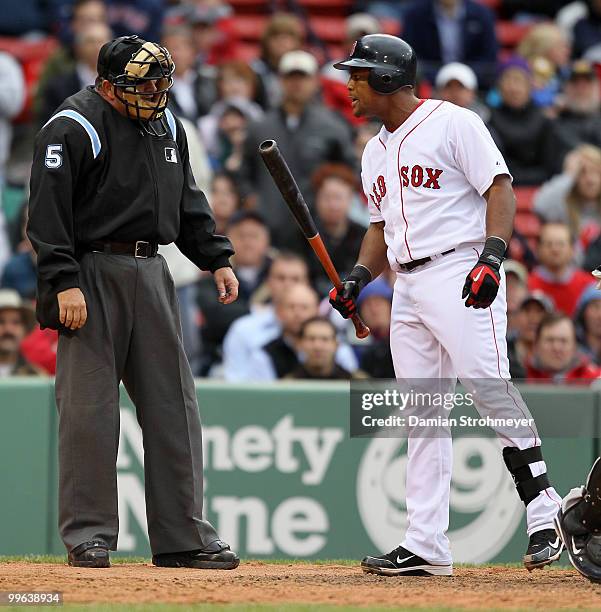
<point x="544" y="547"/>
<point x="90" y="554"/>
<point x="216" y="555"/>
<point x="402" y="562"/>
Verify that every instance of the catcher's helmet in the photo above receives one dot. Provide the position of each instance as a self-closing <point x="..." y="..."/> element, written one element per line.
<point x="128" y="62"/>
<point x="392" y="62"/>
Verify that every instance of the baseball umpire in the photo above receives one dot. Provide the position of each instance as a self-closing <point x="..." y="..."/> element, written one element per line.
<point x="111" y="180"/>
<point x="441" y="214"/>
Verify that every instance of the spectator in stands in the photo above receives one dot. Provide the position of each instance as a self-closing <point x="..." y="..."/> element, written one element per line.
<point x="356" y="26"/>
<point x="336" y="188"/>
<point x="374" y="305"/>
<point x="556" y="357"/>
<point x="12" y="99"/>
<point x="508" y="9"/>
<point x="520" y="341"/>
<point x="519" y="128"/>
<point x="588" y="324"/>
<point x="86" y="48"/>
<point x="587" y="31"/>
<point x="457" y="83"/>
<point x="24" y="17"/>
<point x="250" y="332"/>
<point x="280" y="356"/>
<point x="283" y="33"/>
<point x="249" y="235"/>
<point x="574" y="196"/>
<point x="556" y="276"/>
<point x="224" y="127"/>
<point x="213" y="27"/>
<point x="20" y="271"/>
<point x="16" y="320"/>
<point x="224" y="200"/>
<point x="579" y="120"/>
<point x="444" y="31"/>
<point x="516" y="282"/>
<point x="83" y="14"/>
<point x="142" y="17"/>
<point x="547" y="50"/>
<point x="308" y="135"/>
<point x="318" y="344"/>
<point x="363" y="134"/>
<point x="194" y="89"/>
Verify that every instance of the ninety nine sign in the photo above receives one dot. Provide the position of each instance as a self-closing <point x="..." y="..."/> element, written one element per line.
<point x="283" y="479"/>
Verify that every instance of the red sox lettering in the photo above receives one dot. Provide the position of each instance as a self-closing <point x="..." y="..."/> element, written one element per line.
<point x="378" y="192"/>
<point x="417" y="174"/>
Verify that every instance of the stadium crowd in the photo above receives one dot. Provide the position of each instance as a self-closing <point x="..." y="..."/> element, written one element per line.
<point x="252" y="70"/>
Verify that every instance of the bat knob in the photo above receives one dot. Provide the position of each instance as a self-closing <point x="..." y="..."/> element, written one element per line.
<point x="267" y="145"/>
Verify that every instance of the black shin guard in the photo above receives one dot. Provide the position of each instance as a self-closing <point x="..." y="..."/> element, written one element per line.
<point x="518" y="463"/>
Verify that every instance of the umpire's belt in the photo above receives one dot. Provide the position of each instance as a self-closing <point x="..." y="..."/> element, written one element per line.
<point x="416" y="263"/>
<point x="141" y="248"/>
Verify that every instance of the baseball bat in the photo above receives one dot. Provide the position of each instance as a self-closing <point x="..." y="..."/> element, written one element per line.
<point x="280" y="172"/>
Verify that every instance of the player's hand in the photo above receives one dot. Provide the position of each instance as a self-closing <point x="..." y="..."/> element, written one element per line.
<point x="482" y="283"/>
<point x="345" y="301"/>
<point x="227" y="285"/>
<point x="72" y="311"/>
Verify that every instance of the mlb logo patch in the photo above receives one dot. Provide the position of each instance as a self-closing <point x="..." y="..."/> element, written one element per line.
<point x="170" y="155"/>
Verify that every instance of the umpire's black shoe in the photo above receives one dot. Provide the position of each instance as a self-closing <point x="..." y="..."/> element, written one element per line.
<point x="544" y="547"/>
<point x="216" y="555"/>
<point x="90" y="554"/>
<point x="402" y="562"/>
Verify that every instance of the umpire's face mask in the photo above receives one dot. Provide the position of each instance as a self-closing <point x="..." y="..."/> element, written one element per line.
<point x="144" y="86"/>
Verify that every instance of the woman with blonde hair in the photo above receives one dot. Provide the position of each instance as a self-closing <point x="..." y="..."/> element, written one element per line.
<point x="574" y="196"/>
<point x="547" y="50"/>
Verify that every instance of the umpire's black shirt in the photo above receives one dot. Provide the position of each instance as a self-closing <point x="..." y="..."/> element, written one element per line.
<point x="98" y="176"/>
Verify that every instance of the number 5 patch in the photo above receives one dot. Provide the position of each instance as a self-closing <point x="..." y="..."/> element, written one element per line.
<point x="54" y="156"/>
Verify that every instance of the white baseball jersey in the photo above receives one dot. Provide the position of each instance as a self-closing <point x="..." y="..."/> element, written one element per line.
<point x="426" y="180"/>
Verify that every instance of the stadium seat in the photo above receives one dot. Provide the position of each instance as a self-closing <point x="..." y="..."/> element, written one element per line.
<point x="528" y="224"/>
<point x="249" y="27"/>
<point x="510" y="33"/>
<point x="32" y="56"/>
<point x="525" y="198"/>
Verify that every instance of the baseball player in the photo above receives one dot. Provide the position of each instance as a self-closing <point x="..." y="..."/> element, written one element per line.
<point x="111" y="179"/>
<point x="579" y="525"/>
<point x="442" y="207"/>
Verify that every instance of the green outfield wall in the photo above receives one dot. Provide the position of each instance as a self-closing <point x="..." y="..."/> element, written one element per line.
<point x="283" y="477"/>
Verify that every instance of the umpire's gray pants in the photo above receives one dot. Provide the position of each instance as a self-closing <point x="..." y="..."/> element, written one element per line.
<point x="133" y="334"/>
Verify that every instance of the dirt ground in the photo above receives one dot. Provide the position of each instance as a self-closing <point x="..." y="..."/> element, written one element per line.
<point x="256" y="582"/>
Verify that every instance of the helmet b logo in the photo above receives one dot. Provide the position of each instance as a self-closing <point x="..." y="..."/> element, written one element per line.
<point x="170" y="155"/>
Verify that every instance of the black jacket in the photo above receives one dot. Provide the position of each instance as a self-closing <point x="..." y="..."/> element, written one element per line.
<point x="524" y="138"/>
<point x="320" y="137"/>
<point x="97" y="175"/>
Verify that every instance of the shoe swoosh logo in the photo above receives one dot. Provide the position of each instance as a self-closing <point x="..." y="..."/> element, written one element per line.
<point x="556" y="543"/>
<point x="399" y="560"/>
<point x="477" y="278"/>
<point x="575" y="550"/>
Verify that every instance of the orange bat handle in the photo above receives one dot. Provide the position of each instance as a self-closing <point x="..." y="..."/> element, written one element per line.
<point x="320" y="250"/>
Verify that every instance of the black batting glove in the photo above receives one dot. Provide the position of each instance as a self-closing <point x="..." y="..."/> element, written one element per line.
<point x="482" y="283"/>
<point x="345" y="302"/>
